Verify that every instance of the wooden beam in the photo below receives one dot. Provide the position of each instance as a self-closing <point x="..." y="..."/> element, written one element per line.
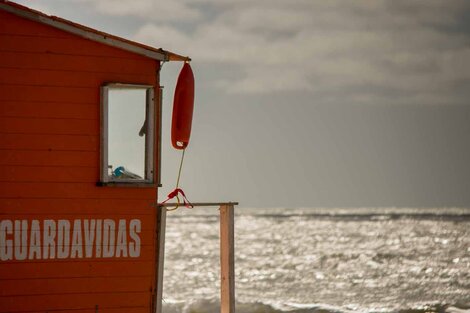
<point x="160" y="257"/>
<point x="195" y="204"/>
<point x="227" y="250"/>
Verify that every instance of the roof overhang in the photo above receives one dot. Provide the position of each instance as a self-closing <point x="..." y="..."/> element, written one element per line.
<point x="90" y="33"/>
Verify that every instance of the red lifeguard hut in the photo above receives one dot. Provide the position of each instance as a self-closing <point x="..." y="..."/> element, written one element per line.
<point x="80" y="227"/>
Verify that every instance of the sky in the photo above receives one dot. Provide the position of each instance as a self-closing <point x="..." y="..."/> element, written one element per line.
<point x="310" y="103"/>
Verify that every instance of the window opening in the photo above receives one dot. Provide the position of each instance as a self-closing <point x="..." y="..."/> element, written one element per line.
<point x="127" y="133"/>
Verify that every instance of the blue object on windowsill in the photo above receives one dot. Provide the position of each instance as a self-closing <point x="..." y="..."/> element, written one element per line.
<point x="121" y="172"/>
<point x="118" y="171"/>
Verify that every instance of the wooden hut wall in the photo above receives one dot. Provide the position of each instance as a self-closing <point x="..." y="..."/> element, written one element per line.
<point x="49" y="166"/>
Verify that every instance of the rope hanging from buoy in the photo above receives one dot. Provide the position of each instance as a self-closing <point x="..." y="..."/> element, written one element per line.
<point x="177" y="191"/>
<point x="183" y="105"/>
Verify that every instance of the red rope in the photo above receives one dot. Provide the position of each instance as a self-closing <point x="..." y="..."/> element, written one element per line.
<point x="175" y="193"/>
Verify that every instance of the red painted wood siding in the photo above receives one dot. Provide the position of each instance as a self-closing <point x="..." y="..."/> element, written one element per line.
<point x="50" y="163"/>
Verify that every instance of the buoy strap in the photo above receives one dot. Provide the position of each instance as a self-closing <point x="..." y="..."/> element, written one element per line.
<point x="175" y="193"/>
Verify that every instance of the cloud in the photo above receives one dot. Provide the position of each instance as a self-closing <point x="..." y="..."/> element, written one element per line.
<point x="159" y="11"/>
<point x="376" y="50"/>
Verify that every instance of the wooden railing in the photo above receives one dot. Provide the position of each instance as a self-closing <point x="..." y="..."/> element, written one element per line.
<point x="227" y="250"/>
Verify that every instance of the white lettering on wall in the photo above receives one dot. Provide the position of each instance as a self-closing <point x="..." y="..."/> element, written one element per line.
<point x="109" y="227"/>
<point x="35" y="241"/>
<point x="77" y="246"/>
<point x="89" y="232"/>
<point x="63" y="239"/>
<point x="121" y="245"/>
<point x="134" y="230"/>
<point x="21" y="240"/>
<point x="99" y="223"/>
<point x="50" y="239"/>
<point x="6" y="252"/>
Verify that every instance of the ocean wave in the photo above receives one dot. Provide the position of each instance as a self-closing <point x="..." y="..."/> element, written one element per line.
<point x="213" y="306"/>
<point x="378" y="214"/>
<point x="336" y="216"/>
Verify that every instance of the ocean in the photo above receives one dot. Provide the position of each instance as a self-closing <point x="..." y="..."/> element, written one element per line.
<point x="322" y="260"/>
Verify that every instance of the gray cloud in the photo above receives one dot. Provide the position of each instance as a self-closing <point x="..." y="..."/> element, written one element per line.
<point x="414" y="48"/>
<point x="161" y="11"/>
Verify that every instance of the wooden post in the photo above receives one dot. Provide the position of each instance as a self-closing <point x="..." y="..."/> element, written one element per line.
<point x="227" y="249"/>
<point x="161" y="230"/>
<point x="227" y="252"/>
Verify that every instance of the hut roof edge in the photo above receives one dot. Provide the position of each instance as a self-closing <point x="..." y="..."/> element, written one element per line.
<point x="90" y="33"/>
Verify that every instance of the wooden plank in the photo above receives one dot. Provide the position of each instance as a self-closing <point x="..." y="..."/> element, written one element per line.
<point x="49" y="94"/>
<point x="40" y="109"/>
<point x="227" y="268"/>
<point x="74" y="63"/>
<point x="99" y="310"/>
<point x="108" y="310"/>
<point x="73" y="301"/>
<point x="11" y="24"/>
<point x="42" y="174"/>
<point x="160" y="258"/>
<point x="121" y="213"/>
<point x="72" y="191"/>
<point x="60" y="45"/>
<point x="48" y="142"/>
<point x="196" y="204"/>
<point x="13" y="287"/>
<point x="94" y="207"/>
<point x="146" y="254"/>
<point x="49" y="158"/>
<point x="19" y="76"/>
<point x="18" y="125"/>
<point x="120" y="268"/>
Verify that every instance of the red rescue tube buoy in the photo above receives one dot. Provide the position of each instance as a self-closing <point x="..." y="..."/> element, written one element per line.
<point x="183" y="106"/>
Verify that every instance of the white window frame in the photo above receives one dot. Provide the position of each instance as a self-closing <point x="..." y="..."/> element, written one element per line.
<point x="149" y="137"/>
